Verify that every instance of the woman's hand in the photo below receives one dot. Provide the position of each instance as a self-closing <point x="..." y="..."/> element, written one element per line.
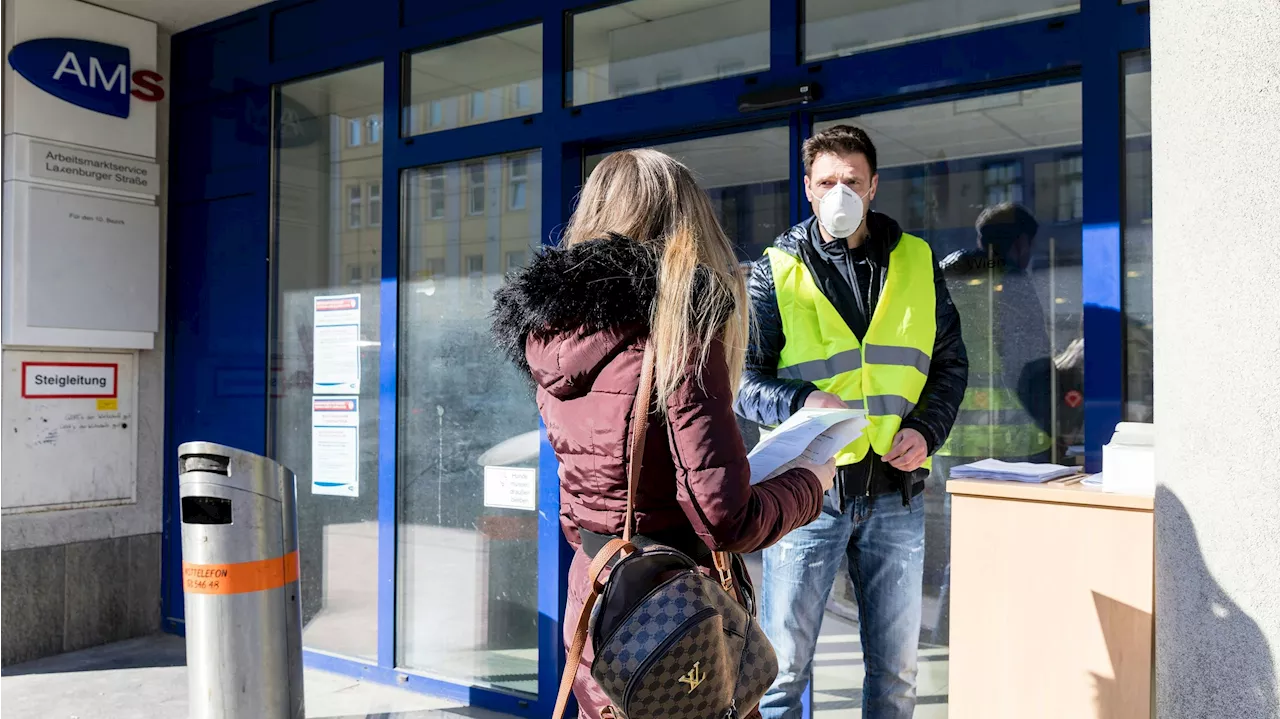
<point x="826" y="473"/>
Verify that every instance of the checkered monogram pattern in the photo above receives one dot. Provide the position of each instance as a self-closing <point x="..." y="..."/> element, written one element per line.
<point x="652" y="621"/>
<point x="758" y="670"/>
<point x="694" y="678"/>
<point x="686" y="650"/>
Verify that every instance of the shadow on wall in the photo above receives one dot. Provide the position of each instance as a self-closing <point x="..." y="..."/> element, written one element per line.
<point x="1213" y="660"/>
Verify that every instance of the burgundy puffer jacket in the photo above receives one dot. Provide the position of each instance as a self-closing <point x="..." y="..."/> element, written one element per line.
<point x="576" y="320"/>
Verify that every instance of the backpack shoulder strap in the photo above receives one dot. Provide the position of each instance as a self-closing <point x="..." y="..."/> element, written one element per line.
<point x="639" y="428"/>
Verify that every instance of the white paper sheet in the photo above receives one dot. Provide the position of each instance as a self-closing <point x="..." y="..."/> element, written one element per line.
<point x="336" y="344"/>
<point x="1012" y="471"/>
<point x="812" y="434"/>
<point x="335" y="446"/>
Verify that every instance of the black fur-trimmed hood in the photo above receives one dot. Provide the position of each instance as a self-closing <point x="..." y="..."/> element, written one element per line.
<point x="583" y="289"/>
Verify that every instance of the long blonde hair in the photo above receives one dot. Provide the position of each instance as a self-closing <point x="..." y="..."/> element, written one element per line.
<point x="653" y="199"/>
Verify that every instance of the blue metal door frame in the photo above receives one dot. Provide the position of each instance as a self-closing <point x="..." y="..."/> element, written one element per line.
<point x="220" y="211"/>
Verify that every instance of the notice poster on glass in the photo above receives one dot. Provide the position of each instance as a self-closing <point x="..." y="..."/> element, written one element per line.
<point x="335" y="446"/>
<point x="511" y="488"/>
<point x="336" y="344"/>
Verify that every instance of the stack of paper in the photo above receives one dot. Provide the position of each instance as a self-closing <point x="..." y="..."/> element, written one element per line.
<point x="1012" y="471"/>
<point x="814" y="435"/>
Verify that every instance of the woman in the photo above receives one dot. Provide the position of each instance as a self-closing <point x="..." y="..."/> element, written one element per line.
<point x="644" y="259"/>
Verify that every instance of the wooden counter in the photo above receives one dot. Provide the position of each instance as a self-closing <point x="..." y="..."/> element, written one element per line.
<point x="1052" y="591"/>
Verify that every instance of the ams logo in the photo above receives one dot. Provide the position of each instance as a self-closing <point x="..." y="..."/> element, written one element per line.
<point x="93" y="75"/>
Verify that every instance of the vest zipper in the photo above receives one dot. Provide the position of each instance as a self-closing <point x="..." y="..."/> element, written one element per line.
<point x="857" y="295"/>
<point x="874" y="273"/>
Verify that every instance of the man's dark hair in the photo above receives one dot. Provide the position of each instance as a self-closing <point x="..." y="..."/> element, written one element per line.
<point x="838" y="140"/>
<point x="1000" y="225"/>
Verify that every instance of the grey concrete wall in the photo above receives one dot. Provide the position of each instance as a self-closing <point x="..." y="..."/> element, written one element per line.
<point x="1216" y="147"/>
<point x="145" y="515"/>
<point x="78" y="578"/>
<point x="73" y="596"/>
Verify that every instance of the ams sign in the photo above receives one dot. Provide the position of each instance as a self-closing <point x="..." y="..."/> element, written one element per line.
<point x="93" y="75"/>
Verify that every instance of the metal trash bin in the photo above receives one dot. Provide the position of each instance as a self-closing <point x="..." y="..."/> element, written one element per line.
<point x="240" y="576"/>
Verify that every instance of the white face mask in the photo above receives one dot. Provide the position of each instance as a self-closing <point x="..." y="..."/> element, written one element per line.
<point x="840" y="211"/>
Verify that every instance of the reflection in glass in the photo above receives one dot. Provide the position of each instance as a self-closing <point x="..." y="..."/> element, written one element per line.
<point x="646" y="45"/>
<point x="745" y="175"/>
<point x="466" y="561"/>
<point x="327" y="206"/>
<point x="1009" y="164"/>
<point x="1139" y="403"/>
<point x="482" y="80"/>
<point x="835" y="28"/>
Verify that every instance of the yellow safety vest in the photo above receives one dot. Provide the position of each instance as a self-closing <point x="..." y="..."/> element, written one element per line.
<point x="992" y="421"/>
<point x="884" y="374"/>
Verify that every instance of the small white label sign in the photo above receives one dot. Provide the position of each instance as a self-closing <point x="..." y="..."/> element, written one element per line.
<point x="510" y="488"/>
<point x="69" y="380"/>
<point x="64" y="164"/>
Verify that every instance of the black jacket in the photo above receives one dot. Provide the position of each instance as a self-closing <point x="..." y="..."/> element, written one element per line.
<point x="769" y="400"/>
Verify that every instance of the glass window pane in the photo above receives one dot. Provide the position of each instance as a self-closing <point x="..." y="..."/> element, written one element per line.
<point x="836" y="28"/>
<point x="323" y="248"/>
<point x="435" y="194"/>
<point x="1139" y="403"/>
<point x="467" y="565"/>
<point x="524" y="95"/>
<point x="475" y="188"/>
<point x="375" y="204"/>
<point x="355" y="207"/>
<point x="489" y="78"/>
<point x="647" y="45"/>
<point x="1017" y="288"/>
<point x="519" y="181"/>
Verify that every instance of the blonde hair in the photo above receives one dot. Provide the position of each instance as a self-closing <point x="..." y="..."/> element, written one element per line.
<point x="651" y="198"/>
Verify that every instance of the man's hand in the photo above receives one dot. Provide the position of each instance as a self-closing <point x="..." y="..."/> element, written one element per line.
<point x="824" y="400"/>
<point x="909" y="451"/>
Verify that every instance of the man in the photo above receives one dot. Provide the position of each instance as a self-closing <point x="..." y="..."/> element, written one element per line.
<point x="851" y="311"/>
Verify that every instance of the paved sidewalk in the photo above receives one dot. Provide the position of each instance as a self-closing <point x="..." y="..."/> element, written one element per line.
<point x="147" y="679"/>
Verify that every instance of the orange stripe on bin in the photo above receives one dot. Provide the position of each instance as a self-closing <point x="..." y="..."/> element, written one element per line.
<point x="240" y="577"/>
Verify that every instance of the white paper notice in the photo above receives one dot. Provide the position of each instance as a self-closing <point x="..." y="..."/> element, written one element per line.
<point x="335" y="446"/>
<point x="336" y="344"/>
<point x="813" y="434"/>
<point x="510" y="488"/>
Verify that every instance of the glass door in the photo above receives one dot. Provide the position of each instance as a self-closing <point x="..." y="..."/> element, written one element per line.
<point x="467" y="547"/>
<point x="323" y="413"/>
<point x="995" y="185"/>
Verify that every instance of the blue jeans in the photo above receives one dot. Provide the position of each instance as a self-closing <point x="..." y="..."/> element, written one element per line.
<point x="884" y="542"/>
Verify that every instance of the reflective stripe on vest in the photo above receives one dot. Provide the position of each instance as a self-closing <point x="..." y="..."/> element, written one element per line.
<point x="886" y="372"/>
<point x="992" y="421"/>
